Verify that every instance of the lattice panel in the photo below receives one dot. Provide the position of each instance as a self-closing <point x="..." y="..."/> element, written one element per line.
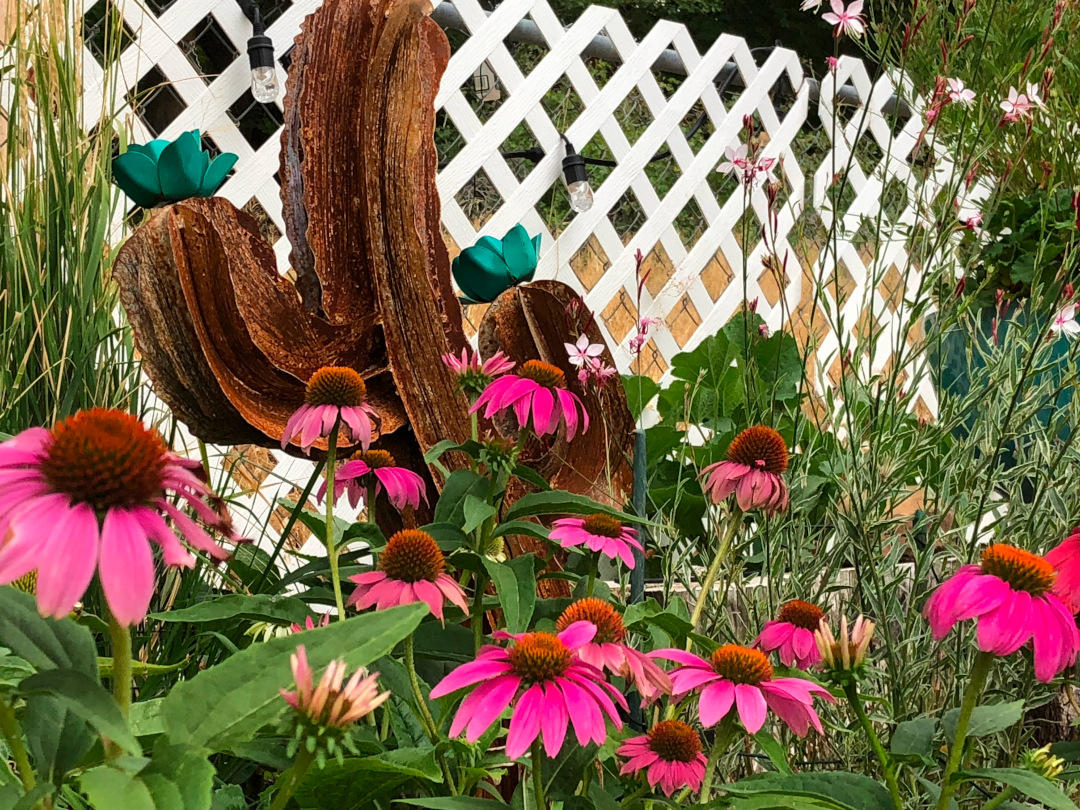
<point x="183" y="66"/>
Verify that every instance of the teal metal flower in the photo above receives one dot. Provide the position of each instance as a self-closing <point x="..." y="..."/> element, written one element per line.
<point x="163" y="172"/>
<point x="492" y="266"/>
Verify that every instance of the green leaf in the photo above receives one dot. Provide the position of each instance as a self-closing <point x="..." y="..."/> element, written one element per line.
<point x="460" y="484"/>
<point x="985" y="720"/>
<point x="640" y="391"/>
<point x="914" y="738"/>
<point x="1030" y="784"/>
<point x="515" y="583"/>
<point x="783" y="801"/>
<point x="30" y="801"/>
<point x="531" y="476"/>
<point x="44" y="643"/>
<point x="849" y="790"/>
<point x="525" y="528"/>
<point x="229" y="797"/>
<point x="476" y="511"/>
<point x="454" y="803"/>
<point x="83" y="696"/>
<point x="145" y="718"/>
<point x="360" y="781"/>
<point x="230" y="702"/>
<point x="642" y="615"/>
<point x="12" y="669"/>
<point x="262" y="607"/>
<point x="110" y="788"/>
<point x="186" y="768"/>
<point x="558" y="502"/>
<point x="773" y="750"/>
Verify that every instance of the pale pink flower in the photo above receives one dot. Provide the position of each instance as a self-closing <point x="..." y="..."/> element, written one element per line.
<point x="641" y="338"/>
<point x="90" y="495"/>
<point x="742" y="679"/>
<point x="1065" y="322"/>
<point x="754" y="170"/>
<point x="670" y="754"/>
<point x="973" y="222"/>
<point x="332" y="704"/>
<point x="792" y="633"/>
<point x="335" y="396"/>
<point x="403" y="487"/>
<point x="608" y="652"/>
<point x="810" y="5"/>
<point x="599" y="533"/>
<point x="538" y="396"/>
<point x="1010" y="595"/>
<point x="549" y="687"/>
<point x="596" y="369"/>
<point x="753" y="471"/>
<point x="958" y="94"/>
<point x="582" y="354"/>
<point x="1034" y="97"/>
<point x="1016" y="106"/>
<point x="847" y="20"/>
<point x="309" y="624"/>
<point x="1065" y="558"/>
<point x="411" y="569"/>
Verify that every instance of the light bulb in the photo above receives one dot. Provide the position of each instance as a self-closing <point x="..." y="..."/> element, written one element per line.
<point x="264" y="84"/>
<point x="581" y="196"/>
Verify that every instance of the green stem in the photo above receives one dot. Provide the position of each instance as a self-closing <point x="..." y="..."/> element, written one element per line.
<point x="120" y="637"/>
<point x="593" y="568"/>
<point x="331" y="496"/>
<point x="538" y="775"/>
<point x="287" y="531"/>
<point x="426" y="720"/>
<point x="1000" y="799"/>
<point x="205" y="460"/>
<point x="888" y="767"/>
<point x="714" y="569"/>
<point x="474" y="421"/>
<point x="980" y="670"/>
<point x="477" y="615"/>
<point x="643" y="790"/>
<point x="9" y="726"/>
<point x="291" y="779"/>
<point x="724" y="735"/>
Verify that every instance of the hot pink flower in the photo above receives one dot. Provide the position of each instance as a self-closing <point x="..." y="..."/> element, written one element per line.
<point x="403" y="487"/>
<point x="831" y="61"/>
<point x="753" y="471"/>
<point x="91" y="494"/>
<point x="330" y="704"/>
<point x="538" y="396"/>
<point x="792" y="633"/>
<point x="846" y="20"/>
<point x="549" y="687"/>
<point x="411" y="569"/>
<point x="599" y="532"/>
<point x="475" y="375"/>
<point x="309" y="624"/>
<point x="670" y="754"/>
<point x="742" y="678"/>
<point x="1010" y="596"/>
<point x="334" y="396"/>
<point x="607" y="652"/>
<point x="1065" y="557"/>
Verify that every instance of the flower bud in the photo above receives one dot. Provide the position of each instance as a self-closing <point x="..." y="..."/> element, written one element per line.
<point x="846" y="654"/>
<point x="1043" y="763"/>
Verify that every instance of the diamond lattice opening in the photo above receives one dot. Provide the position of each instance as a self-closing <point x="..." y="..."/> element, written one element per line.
<point x="208" y="48"/>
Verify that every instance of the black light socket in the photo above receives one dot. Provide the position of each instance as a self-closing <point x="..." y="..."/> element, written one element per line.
<point x="573" y="165"/>
<point x="260" y="47"/>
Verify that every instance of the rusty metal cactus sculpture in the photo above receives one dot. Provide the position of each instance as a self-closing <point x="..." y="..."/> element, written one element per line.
<point x="230" y="344"/>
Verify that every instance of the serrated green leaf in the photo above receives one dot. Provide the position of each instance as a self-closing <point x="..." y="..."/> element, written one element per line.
<point x="262" y="607"/>
<point x="1030" y="784"/>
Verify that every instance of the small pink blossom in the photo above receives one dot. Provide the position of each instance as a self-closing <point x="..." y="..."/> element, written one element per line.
<point x="1016" y="106"/>
<point x="754" y="170"/>
<point x="582" y="353"/>
<point x="958" y="94"/>
<point x="335" y="398"/>
<point x="847" y="20"/>
<point x="832" y="62"/>
<point x="641" y="338"/>
<point x="792" y="634"/>
<point x="973" y="222"/>
<point x="331" y="704"/>
<point x="1065" y="322"/>
<point x="309" y="624"/>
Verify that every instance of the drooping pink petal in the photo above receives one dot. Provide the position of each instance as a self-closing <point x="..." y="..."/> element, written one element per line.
<point x="72" y="549"/>
<point x="553" y="720"/>
<point x="715" y="702"/>
<point x="525" y="721"/>
<point x="126" y="567"/>
<point x="471" y="673"/>
<point x="578" y="634"/>
<point x="751" y="706"/>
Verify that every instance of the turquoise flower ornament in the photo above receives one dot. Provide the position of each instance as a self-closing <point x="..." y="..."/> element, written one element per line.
<point x="492" y="266"/>
<point x="165" y="172"/>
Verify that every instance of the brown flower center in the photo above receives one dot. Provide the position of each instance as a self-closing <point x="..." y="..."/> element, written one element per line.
<point x="741" y="664"/>
<point x="377" y="459"/>
<point x="674" y="741"/>
<point x="546" y="374"/>
<point x="539" y="657"/>
<point x="335" y="385"/>
<point x="609" y="624"/>
<point x="105" y="458"/>
<point x="1023" y="570"/>
<point x="603" y="525"/>
<point x="760" y="447"/>
<point x="412" y="555"/>
<point x="801" y="614"/>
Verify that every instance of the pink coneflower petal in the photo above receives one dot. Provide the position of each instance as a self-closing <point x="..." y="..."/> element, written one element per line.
<point x="584" y="714"/>
<point x="553" y="720"/>
<point x="71" y="553"/>
<point x="715" y="702"/>
<point x="126" y="567"/>
<point x="751" y="707"/>
<point x="525" y="721"/>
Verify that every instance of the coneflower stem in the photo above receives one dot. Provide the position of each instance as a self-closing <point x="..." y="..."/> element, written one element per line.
<point x="477" y="616"/>
<point x="714" y="570"/>
<point x="331" y="496"/>
<point x="291" y="779"/>
<point x="9" y="726"/>
<point x="426" y="720"/>
<point x="723" y="739"/>
<point x="888" y="767"/>
<point x="980" y="670"/>
<point x="538" y="775"/>
<point x="592" y="574"/>
<point x="120" y="638"/>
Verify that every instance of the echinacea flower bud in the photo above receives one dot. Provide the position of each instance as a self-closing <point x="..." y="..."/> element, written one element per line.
<point x="846" y="654"/>
<point x="1042" y="762"/>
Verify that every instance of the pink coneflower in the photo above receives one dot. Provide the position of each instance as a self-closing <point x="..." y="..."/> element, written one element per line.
<point x="538" y="396"/>
<point x="91" y="494"/>
<point x="601" y="533"/>
<point x="1010" y="595"/>
<point x="549" y="687"/>
<point x="753" y="471"/>
<point x="742" y="678"/>
<point x="792" y="633"/>
<point x="403" y="487"/>
<point x="309" y="624"/>
<point x="958" y="94"/>
<point x="607" y="652"/>
<point x="1065" y="557"/>
<point x="670" y="754"/>
<point x="334" y="396"/>
<point x="331" y="704"/>
<point x="411" y="569"/>
<point x="474" y="374"/>
<point x="847" y="20"/>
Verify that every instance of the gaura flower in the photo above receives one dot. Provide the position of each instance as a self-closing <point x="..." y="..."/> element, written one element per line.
<point x="754" y="170"/>
<point x="1010" y="595"/>
<point x="596" y="369"/>
<point x="792" y="633"/>
<point x="644" y="324"/>
<point x="537" y="393"/>
<point x="411" y="569"/>
<point x="163" y="171"/>
<point x="1034" y="97"/>
<point x="90" y="494"/>
<point x="670" y="754"/>
<point x="1065" y="322"/>
<point x="754" y="469"/>
<point x="403" y="487"/>
<point x="973" y="222"/>
<point x="334" y="395"/>
<point x="848" y="653"/>
<point x="492" y="265"/>
<point x="474" y="375"/>
<point x="958" y="94"/>
<point x="847" y="20"/>
<point x="809" y="5"/>
<point x="309" y="624"/>
<point x="582" y="353"/>
<point x="742" y="678"/>
<point x="1016" y="106"/>
<point x="1065" y="557"/>
<point x="608" y="652"/>
<point x="549" y="687"/>
<point x="601" y="533"/>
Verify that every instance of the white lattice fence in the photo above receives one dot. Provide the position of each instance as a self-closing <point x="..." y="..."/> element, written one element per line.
<point x="701" y="274"/>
